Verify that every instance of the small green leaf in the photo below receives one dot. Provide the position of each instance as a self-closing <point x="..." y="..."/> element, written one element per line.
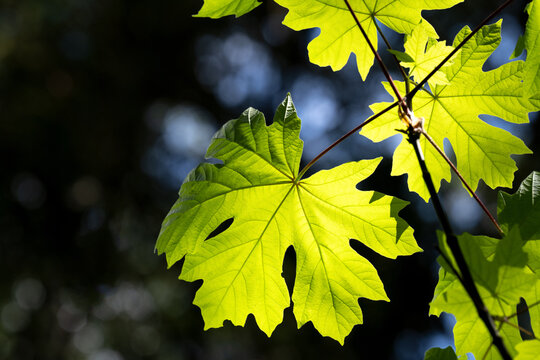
<point x="401" y="56"/>
<point x="451" y="112"/>
<point x="218" y="8"/>
<point x="272" y="209"/>
<point x="340" y="35"/>
<point x="440" y="354"/>
<point x="424" y="59"/>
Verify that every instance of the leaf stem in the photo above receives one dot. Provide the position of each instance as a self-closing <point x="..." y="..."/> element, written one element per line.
<point x="453" y="244"/>
<point x="449" y="162"/>
<point x="338" y="141"/>
<point x="459" y="46"/>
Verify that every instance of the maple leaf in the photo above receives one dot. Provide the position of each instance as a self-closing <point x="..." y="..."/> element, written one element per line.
<point x="451" y="112"/>
<point x="504" y="271"/>
<point x="425" y="53"/>
<point x="340" y="35"/>
<point x="273" y="208"/>
<point x="218" y="8"/>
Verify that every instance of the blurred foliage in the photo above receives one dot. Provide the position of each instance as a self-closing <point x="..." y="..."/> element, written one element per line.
<point x="102" y="107"/>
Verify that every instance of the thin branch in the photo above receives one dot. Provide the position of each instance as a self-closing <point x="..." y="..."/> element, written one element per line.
<point x="403" y="75"/>
<point x="524" y="310"/>
<point x="413" y="138"/>
<point x="453" y="244"/>
<point x="338" y="141"/>
<point x="456" y="273"/>
<point x="506" y="320"/>
<point x="459" y="46"/>
<point x="377" y="56"/>
<point x="484" y="208"/>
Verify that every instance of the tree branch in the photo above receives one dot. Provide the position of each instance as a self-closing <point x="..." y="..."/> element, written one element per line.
<point x="449" y="162"/>
<point x="467" y="279"/>
<point x="378" y="57"/>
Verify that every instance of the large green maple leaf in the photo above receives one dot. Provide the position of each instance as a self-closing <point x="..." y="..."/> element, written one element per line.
<point x="340" y="35"/>
<point x="258" y="186"/>
<point x="503" y="270"/>
<point x="451" y="112"/>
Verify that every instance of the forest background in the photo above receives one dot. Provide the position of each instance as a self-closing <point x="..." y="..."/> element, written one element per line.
<point x="105" y="106"/>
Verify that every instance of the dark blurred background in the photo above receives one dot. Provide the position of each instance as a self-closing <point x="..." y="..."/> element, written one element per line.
<point x="104" y="108"/>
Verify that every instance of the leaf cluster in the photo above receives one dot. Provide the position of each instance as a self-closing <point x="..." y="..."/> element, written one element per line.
<point x="257" y="184"/>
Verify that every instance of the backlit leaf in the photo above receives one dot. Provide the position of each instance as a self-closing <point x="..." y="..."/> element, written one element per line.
<point x="424" y="57"/>
<point x="257" y="185"/>
<point x="340" y="35"/>
<point x="451" y="112"/>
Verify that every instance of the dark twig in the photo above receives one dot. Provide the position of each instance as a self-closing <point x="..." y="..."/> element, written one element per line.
<point x="403" y="75"/>
<point x="378" y="57"/>
<point x="413" y="138"/>
<point x="449" y="162"/>
<point x="447" y="260"/>
<point x="468" y="282"/>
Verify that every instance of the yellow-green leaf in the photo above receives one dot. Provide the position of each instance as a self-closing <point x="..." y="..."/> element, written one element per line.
<point x="451" y="112"/>
<point x="340" y="35"/>
<point x="425" y="58"/>
<point x="257" y="185"/>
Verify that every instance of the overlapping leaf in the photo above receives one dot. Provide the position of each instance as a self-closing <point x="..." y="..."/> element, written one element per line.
<point x="503" y="271"/>
<point x="340" y="35"/>
<point x="258" y="186"/>
<point x="425" y="54"/>
<point x="451" y="112"/>
<point x="440" y="354"/>
<point x="531" y="42"/>
<point x="218" y="8"/>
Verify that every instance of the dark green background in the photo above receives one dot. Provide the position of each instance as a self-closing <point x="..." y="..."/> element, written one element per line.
<point x="105" y="105"/>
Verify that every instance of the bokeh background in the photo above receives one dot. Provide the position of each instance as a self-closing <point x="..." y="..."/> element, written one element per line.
<point x="105" y="106"/>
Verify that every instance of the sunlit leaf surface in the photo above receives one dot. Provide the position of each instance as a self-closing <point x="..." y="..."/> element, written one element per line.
<point x="272" y="209"/>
